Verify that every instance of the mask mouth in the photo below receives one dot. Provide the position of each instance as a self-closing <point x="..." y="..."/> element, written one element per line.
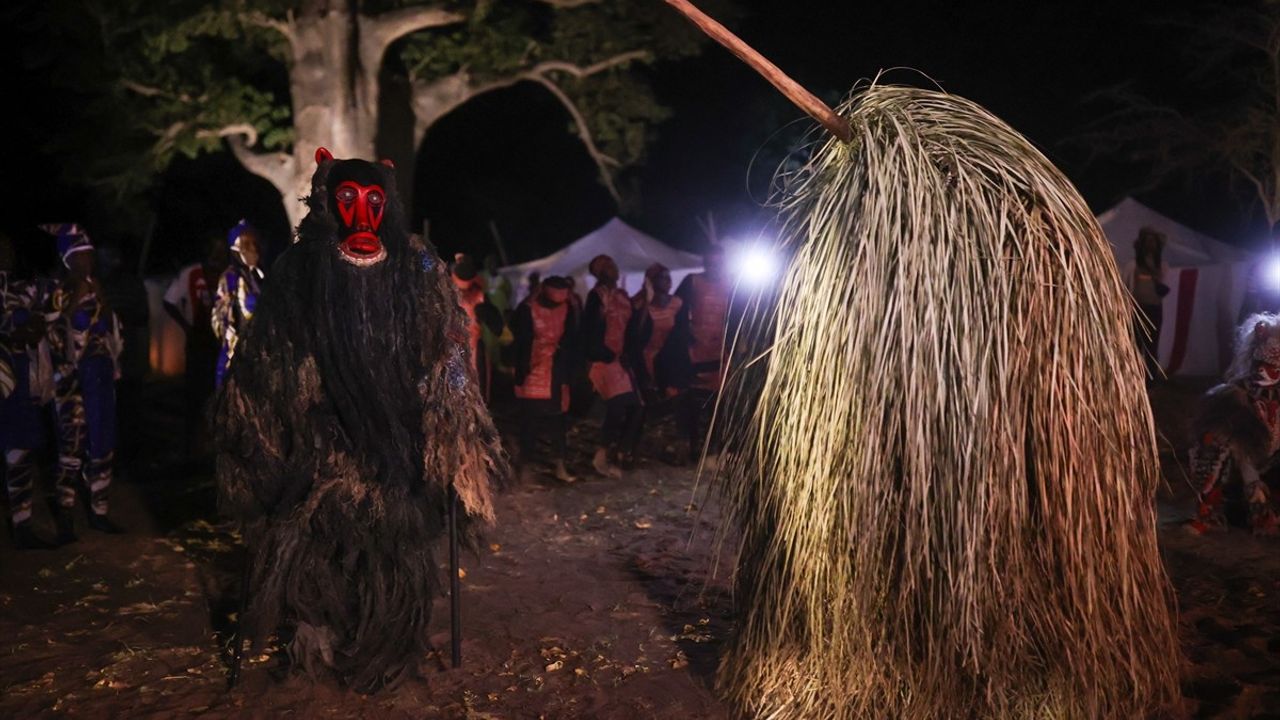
<point x="362" y="249"/>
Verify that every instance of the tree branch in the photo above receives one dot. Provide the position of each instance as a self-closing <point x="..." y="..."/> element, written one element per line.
<point x="603" y="162"/>
<point x="568" y="4"/>
<point x="379" y="31"/>
<point x="153" y="91"/>
<point x="262" y="20"/>
<point x="140" y="89"/>
<point x="276" y="167"/>
<point x="436" y="99"/>
<point x="284" y="27"/>
<point x="581" y="72"/>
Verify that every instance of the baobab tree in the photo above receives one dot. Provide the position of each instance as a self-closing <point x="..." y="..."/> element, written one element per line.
<point x="270" y="80"/>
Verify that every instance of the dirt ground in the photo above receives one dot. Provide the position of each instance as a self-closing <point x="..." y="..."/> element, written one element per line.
<point x="592" y="600"/>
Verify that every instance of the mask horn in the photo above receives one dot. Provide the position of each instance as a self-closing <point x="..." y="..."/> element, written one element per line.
<point x="322" y="155"/>
<point x="388" y="163"/>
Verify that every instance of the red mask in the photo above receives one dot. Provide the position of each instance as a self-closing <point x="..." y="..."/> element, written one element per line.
<point x="358" y="203"/>
<point x="360" y="208"/>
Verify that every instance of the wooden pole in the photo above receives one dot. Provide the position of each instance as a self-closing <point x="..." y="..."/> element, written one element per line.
<point x="455" y="584"/>
<point x="237" y="648"/>
<point x="804" y="99"/>
<point x="497" y="240"/>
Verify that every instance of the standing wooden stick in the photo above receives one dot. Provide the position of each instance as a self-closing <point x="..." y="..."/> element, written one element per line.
<point x="237" y="648"/>
<point x="806" y="100"/>
<point x="455" y="584"/>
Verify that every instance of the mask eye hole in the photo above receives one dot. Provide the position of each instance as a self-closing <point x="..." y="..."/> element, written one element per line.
<point x="346" y="195"/>
<point x="375" y="198"/>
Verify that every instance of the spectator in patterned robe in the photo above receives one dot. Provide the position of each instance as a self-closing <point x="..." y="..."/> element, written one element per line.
<point x="237" y="294"/>
<point x="85" y="345"/>
<point x="24" y="352"/>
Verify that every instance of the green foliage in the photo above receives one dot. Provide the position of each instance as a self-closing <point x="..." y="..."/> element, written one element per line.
<point x="154" y="80"/>
<point x="157" y="81"/>
<point x="505" y="39"/>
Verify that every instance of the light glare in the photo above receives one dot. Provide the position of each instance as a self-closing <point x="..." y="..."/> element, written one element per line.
<point x="755" y="265"/>
<point x="1271" y="272"/>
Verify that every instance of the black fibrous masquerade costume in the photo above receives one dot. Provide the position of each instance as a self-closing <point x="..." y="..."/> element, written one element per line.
<point x="347" y="415"/>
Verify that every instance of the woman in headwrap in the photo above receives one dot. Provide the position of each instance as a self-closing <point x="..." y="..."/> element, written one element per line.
<point x="237" y="294"/>
<point x="659" y="360"/>
<point x="656" y="310"/>
<point x="604" y="330"/>
<point x="545" y="340"/>
<point x="84" y="344"/>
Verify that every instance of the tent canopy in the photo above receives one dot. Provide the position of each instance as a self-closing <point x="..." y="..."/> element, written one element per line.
<point x="1206" y="279"/>
<point x="1184" y="247"/>
<point x="631" y="249"/>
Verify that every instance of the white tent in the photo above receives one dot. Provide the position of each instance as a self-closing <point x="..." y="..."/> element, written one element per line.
<point x="1207" y="281"/>
<point x="631" y="249"/>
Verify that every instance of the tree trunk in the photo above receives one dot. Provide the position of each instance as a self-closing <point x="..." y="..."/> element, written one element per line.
<point x="335" y="57"/>
<point x="333" y="100"/>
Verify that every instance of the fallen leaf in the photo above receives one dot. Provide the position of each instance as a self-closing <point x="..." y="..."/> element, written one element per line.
<point x="555" y="666"/>
<point x="643" y="524"/>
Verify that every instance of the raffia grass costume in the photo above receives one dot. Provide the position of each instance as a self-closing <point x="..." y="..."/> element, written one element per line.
<point x="942" y="461"/>
<point x="348" y="412"/>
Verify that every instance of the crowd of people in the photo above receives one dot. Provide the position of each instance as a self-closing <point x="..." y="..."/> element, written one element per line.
<point x="643" y="356"/>
<point x="65" y="353"/>
<point x="640" y="355"/>
<point x="59" y="359"/>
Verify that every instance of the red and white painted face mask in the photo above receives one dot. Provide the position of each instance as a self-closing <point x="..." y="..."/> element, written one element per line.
<point x="360" y="208"/>
<point x="358" y="204"/>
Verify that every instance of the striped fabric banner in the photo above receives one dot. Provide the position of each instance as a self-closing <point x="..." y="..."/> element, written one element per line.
<point x="1187" y="279"/>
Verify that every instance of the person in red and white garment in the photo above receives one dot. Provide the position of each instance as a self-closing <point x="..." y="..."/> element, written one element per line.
<point x="545" y="329"/>
<point x="700" y="324"/>
<point x="604" y="331"/>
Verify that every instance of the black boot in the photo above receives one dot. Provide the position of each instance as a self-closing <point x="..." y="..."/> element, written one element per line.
<point x="24" y="538"/>
<point x="66" y="526"/>
<point x="101" y="523"/>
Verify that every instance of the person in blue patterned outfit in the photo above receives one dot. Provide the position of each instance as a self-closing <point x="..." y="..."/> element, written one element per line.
<point x="22" y="431"/>
<point x="85" y="342"/>
<point x="237" y="294"/>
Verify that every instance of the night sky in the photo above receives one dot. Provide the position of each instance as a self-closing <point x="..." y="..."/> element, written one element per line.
<point x="510" y="158"/>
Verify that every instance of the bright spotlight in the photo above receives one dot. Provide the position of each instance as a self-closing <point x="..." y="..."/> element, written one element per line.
<point x="755" y="265"/>
<point x="1271" y="272"/>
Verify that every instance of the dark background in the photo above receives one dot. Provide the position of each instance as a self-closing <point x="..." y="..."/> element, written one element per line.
<point x="510" y="157"/>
